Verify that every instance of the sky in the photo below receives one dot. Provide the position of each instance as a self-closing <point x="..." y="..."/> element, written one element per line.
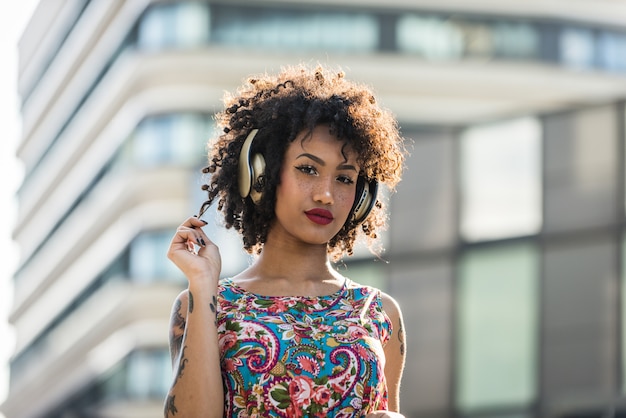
<point x="13" y="17"/>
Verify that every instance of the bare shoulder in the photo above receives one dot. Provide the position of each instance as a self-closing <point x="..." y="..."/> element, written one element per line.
<point x="391" y="307"/>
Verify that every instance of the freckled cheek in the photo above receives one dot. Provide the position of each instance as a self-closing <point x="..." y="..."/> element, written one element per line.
<point x="345" y="199"/>
<point x="291" y="185"/>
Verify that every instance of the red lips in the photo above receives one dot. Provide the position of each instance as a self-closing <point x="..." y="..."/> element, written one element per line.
<point x="319" y="216"/>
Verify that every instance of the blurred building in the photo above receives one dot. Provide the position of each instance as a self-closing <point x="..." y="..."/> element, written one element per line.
<point x="506" y="244"/>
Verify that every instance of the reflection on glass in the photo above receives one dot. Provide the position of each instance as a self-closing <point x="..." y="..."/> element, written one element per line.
<point x="182" y="24"/>
<point x="268" y="27"/>
<point x="501" y="180"/>
<point x="440" y="38"/>
<point x="149" y="373"/>
<point x="577" y="47"/>
<point x="147" y="258"/>
<point x="429" y="37"/>
<point x="612" y="51"/>
<point x="516" y="40"/>
<point x="497" y="328"/>
<point x="168" y="139"/>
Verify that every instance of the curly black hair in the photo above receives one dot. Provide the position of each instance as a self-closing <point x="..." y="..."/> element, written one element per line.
<point x="282" y="106"/>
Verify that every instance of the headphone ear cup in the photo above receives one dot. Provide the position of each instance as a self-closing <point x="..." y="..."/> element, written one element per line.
<point x="258" y="179"/>
<point x="364" y="199"/>
<point x="251" y="171"/>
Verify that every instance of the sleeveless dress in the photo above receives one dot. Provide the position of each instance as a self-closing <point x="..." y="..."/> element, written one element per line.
<point x="297" y="356"/>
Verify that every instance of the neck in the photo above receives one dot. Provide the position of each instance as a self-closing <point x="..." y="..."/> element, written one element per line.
<point x="291" y="268"/>
<point x="296" y="261"/>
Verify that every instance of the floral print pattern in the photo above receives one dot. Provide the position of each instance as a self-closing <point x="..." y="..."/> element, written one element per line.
<point x="302" y="356"/>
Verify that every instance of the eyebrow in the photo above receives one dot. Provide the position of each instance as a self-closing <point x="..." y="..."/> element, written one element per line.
<point x="322" y="163"/>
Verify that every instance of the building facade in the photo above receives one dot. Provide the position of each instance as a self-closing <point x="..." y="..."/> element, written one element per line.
<point x="505" y="246"/>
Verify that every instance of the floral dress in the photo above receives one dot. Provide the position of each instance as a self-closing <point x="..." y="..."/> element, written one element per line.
<point x="295" y="356"/>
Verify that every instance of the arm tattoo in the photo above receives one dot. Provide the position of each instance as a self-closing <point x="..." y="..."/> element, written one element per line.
<point x="169" y="406"/>
<point x="213" y="306"/>
<point x="401" y="337"/>
<point x="181" y="365"/>
<point x="177" y="330"/>
<point x="190" y="302"/>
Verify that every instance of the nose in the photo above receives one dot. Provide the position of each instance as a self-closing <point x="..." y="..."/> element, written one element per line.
<point x="323" y="192"/>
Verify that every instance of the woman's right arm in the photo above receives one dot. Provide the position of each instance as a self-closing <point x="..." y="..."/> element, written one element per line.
<point x="196" y="389"/>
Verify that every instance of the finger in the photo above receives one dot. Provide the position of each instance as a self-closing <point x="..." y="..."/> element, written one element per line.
<point x="189" y="236"/>
<point x="194" y="222"/>
<point x="197" y="224"/>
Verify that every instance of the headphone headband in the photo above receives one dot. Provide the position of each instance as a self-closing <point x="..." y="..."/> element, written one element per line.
<point x="245" y="165"/>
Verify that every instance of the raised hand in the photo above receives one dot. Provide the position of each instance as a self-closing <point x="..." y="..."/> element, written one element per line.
<point x="194" y="253"/>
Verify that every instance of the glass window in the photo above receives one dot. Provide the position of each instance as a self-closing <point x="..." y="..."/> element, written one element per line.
<point x="579" y="314"/>
<point x="147" y="258"/>
<point x="577" y="47"/>
<point x="183" y="24"/>
<point x="612" y="51"/>
<point x="581" y="169"/>
<point x="149" y="374"/>
<point x="501" y="180"/>
<point x="171" y="138"/>
<point x="430" y="37"/>
<point x="515" y="40"/>
<point x="423" y="288"/>
<point x="497" y="327"/>
<point x="424" y="212"/>
<point x="370" y="273"/>
<point x="477" y="37"/>
<point x="295" y="29"/>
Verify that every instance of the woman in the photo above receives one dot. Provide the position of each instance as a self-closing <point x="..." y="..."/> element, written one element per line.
<point x="295" y="172"/>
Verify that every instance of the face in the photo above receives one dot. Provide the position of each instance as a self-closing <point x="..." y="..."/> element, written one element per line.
<point x="317" y="187"/>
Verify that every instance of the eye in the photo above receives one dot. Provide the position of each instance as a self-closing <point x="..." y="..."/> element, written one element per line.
<point x="345" y="179"/>
<point x="307" y="169"/>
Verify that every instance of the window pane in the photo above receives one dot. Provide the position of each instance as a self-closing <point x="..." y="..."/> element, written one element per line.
<point x="612" y="51"/>
<point x="149" y="374"/>
<point x="170" y="139"/>
<point x="192" y="23"/>
<point x="501" y="180"/>
<point x="150" y="142"/>
<point x="579" y="345"/>
<point x="577" y="48"/>
<point x="497" y="327"/>
<point x="581" y="169"/>
<point x="370" y="273"/>
<point x="423" y="288"/>
<point x="294" y="29"/>
<point x="182" y="24"/>
<point x="516" y="40"/>
<point x="424" y="213"/>
<point x="430" y="37"/>
<point x="147" y="258"/>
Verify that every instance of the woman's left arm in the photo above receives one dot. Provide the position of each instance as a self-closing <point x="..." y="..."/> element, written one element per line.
<point x="395" y="352"/>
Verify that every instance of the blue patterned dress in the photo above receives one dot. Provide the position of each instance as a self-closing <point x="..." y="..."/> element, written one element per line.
<point x="295" y="356"/>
